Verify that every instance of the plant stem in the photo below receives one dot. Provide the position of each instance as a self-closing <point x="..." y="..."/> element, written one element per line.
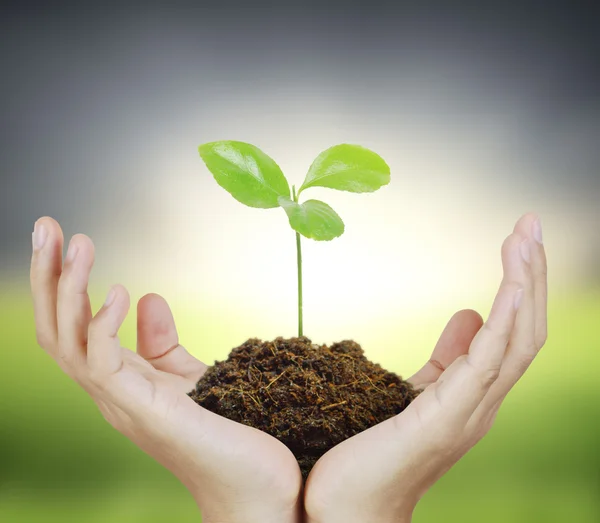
<point x="299" y="250"/>
<point x="299" y="260"/>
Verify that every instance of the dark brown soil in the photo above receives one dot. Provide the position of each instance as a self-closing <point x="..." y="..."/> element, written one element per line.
<point x="311" y="397"/>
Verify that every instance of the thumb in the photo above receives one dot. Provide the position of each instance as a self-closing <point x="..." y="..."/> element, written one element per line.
<point x="454" y="342"/>
<point x="158" y="341"/>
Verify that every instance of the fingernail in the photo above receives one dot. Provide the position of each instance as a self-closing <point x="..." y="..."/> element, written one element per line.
<point x="537" y="231"/>
<point x="525" y="250"/>
<point x="518" y="298"/>
<point x="38" y="238"/>
<point x="110" y="297"/>
<point x="72" y="252"/>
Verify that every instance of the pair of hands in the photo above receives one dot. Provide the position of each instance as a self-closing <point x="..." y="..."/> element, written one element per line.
<point x="240" y="474"/>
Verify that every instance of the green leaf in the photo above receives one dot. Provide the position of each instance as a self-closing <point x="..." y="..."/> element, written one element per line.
<point x="313" y="219"/>
<point x="348" y="168"/>
<point x="251" y="176"/>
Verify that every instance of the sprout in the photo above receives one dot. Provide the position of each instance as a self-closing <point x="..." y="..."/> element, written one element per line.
<point x="254" y="179"/>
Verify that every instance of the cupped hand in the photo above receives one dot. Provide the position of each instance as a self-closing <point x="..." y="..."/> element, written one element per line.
<point x="381" y="473"/>
<point x="234" y="472"/>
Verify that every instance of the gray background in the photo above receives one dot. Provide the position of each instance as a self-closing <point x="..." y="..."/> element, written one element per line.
<point x="95" y="98"/>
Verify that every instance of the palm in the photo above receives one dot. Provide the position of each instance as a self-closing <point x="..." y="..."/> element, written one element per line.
<point x="166" y="394"/>
<point x="179" y="433"/>
<point x="375" y="457"/>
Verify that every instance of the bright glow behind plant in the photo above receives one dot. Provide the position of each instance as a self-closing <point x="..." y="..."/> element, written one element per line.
<point x="254" y="179"/>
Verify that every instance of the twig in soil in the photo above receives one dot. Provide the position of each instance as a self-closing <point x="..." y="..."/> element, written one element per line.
<point x="296" y="363"/>
<point x="259" y="373"/>
<point x="334" y="405"/>
<point x="224" y="394"/>
<point x="272" y="398"/>
<point x="348" y="384"/>
<point x="255" y="401"/>
<point x="242" y="392"/>
<point x="373" y="384"/>
<point x="274" y="380"/>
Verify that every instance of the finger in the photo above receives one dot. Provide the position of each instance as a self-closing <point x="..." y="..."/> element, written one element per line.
<point x="73" y="305"/>
<point x="104" y="353"/>
<point x="454" y="342"/>
<point x="523" y="347"/>
<point x="530" y="225"/>
<point x="46" y="267"/>
<point x="158" y="342"/>
<point x="466" y="384"/>
<point x="539" y="266"/>
<point x="121" y="386"/>
<point x="525" y="329"/>
<point x="515" y="261"/>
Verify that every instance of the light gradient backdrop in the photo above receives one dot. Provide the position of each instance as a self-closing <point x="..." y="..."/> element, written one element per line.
<point x="482" y="114"/>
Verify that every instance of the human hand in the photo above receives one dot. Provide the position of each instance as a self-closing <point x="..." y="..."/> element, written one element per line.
<point x="235" y="473"/>
<point x="380" y="474"/>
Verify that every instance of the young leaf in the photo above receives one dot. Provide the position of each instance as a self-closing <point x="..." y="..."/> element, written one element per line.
<point x="313" y="219"/>
<point x="252" y="177"/>
<point x="348" y="168"/>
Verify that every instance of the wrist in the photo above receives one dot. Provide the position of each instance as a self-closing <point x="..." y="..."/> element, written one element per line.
<point x="247" y="516"/>
<point x="355" y="515"/>
<point x="260" y="511"/>
<point x="403" y="516"/>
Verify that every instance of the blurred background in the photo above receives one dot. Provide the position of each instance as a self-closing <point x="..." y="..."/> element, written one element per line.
<point x="483" y="113"/>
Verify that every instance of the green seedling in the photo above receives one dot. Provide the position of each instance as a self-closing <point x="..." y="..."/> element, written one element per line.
<point x="254" y="179"/>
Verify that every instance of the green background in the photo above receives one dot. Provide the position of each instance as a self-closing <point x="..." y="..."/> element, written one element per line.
<point x="540" y="462"/>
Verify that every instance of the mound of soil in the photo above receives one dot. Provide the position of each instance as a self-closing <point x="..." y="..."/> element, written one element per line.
<point x="311" y="397"/>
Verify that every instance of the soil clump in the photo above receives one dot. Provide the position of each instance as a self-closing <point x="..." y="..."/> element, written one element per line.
<point x="310" y="397"/>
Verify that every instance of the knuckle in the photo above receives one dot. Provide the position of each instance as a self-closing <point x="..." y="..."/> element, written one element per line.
<point x="485" y="376"/>
<point x="510" y="243"/>
<point x="43" y="339"/>
<point x="65" y="285"/>
<point x="530" y="350"/>
<point x="489" y="376"/>
<point x="541" y="338"/>
<point x="107" y="413"/>
<point x="513" y="286"/>
<point x="435" y="363"/>
<point x="109" y="417"/>
<point x="496" y="330"/>
<point x="507" y="242"/>
<point x="543" y="271"/>
<point x="524" y="361"/>
<point x="94" y="329"/>
<point x="481" y="429"/>
<point x="68" y="285"/>
<point x="83" y="382"/>
<point x="34" y="275"/>
<point x="97" y="378"/>
<point x="65" y="357"/>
